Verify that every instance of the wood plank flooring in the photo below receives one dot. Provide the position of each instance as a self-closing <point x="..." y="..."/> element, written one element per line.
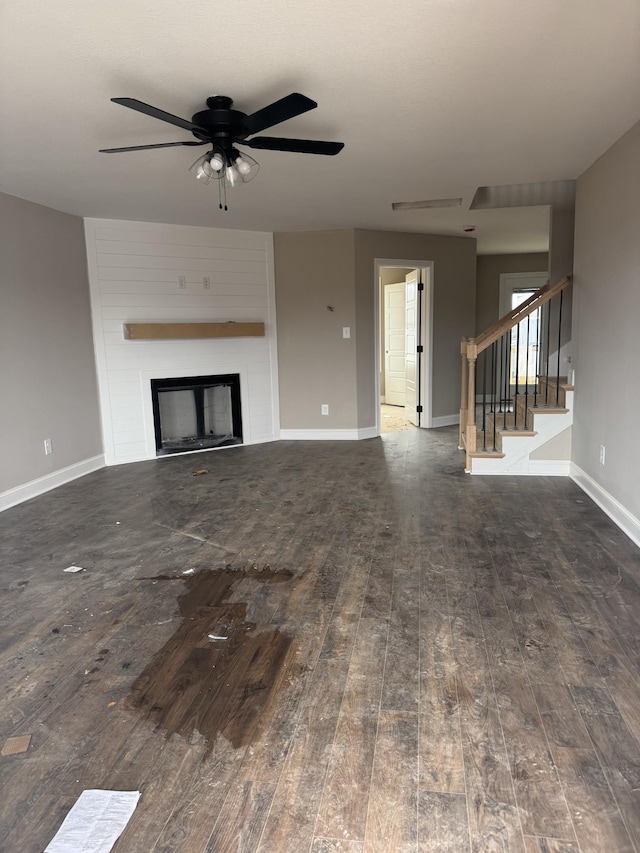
<point x="414" y="659"/>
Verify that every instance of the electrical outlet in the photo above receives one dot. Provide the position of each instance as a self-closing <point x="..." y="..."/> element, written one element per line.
<point x="346" y="331"/>
<point x="182" y="282"/>
<point x="324" y="409"/>
<point x="602" y="454"/>
<point x="47" y="447"/>
<point x="206" y="282"/>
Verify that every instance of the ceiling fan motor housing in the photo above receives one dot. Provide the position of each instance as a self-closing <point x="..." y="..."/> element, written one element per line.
<point x="221" y="123"/>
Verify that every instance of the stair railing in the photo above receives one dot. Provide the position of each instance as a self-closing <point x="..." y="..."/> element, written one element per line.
<point x="511" y="367"/>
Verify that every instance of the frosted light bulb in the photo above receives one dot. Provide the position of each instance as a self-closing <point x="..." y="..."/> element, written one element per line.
<point x="246" y="166"/>
<point x="242" y="166"/>
<point x="216" y="162"/>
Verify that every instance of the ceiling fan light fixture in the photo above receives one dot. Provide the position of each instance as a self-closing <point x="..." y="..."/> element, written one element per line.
<point x="232" y="175"/>
<point x="202" y="169"/>
<point x="216" y="161"/>
<point x="247" y="167"/>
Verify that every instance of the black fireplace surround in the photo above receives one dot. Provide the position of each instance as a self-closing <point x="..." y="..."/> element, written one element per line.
<point x="196" y="413"/>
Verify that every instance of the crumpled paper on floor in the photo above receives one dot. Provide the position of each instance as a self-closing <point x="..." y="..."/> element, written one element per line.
<point x="95" y="822"/>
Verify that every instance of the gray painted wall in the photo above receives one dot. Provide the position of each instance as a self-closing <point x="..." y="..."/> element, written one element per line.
<point x="606" y="320"/>
<point x="47" y="368"/>
<point x="316" y="365"/>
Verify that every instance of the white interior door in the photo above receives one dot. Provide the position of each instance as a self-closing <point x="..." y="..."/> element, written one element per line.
<point x="411" y="338"/>
<point x="394" y="345"/>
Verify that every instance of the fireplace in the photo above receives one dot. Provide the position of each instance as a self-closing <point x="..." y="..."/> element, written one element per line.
<point x="196" y="413"/>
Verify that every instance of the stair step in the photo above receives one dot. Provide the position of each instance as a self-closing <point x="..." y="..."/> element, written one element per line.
<point x="508" y="423"/>
<point x="481" y="441"/>
<point x="486" y="454"/>
<point x="514" y="422"/>
<point x="548" y="410"/>
<point x="551" y="390"/>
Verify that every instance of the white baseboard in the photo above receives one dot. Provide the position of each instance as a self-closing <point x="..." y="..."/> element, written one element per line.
<point x="19" y="494"/>
<point x="445" y="420"/>
<point x="327" y="434"/>
<point x="368" y="432"/>
<point x="621" y="516"/>
<point x="550" y="467"/>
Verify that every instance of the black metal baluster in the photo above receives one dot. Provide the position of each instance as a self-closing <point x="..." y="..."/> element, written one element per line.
<point x="538" y="311"/>
<point x="500" y="371"/>
<point x="559" y="344"/>
<point x="546" y="375"/>
<point x="493" y="390"/>
<point x="484" y="400"/>
<point x="507" y="385"/>
<point x="515" y="401"/>
<point x="526" y="375"/>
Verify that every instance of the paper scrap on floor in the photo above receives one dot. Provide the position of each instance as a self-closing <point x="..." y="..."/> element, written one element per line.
<point x="15" y="745"/>
<point x="73" y="569"/>
<point x="95" y="822"/>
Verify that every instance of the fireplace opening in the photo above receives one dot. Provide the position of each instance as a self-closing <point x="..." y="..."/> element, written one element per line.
<point x="196" y="413"/>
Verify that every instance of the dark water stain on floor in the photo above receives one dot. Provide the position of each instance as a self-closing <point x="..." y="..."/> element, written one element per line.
<point x="215" y="686"/>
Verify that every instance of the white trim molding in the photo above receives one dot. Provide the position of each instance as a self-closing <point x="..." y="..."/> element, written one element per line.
<point x="626" y="521"/>
<point x="445" y="420"/>
<point x="549" y="467"/>
<point x="25" y="492"/>
<point x="327" y="434"/>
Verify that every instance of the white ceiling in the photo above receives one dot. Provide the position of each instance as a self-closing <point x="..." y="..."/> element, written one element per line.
<point x="432" y="99"/>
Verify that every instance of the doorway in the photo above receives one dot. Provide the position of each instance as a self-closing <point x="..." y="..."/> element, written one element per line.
<point x="403" y="308"/>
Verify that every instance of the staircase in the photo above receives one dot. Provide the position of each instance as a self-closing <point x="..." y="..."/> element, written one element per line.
<point x="516" y="409"/>
<point x="504" y="448"/>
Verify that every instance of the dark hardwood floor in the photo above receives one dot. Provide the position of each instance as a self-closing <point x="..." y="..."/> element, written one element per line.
<point x="369" y="651"/>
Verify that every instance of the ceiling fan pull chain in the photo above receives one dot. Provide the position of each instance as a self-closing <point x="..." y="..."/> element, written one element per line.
<point x="222" y="192"/>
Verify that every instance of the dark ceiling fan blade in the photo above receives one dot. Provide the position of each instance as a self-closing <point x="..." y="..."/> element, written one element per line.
<point x="154" y="112"/>
<point x="146" y="147"/>
<point x="282" y="110"/>
<point x="303" y="146"/>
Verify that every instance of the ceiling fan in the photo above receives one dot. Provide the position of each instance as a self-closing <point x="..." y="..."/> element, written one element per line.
<point x="224" y="128"/>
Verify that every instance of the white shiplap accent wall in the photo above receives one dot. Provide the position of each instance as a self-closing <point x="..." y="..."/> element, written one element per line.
<point x="133" y="274"/>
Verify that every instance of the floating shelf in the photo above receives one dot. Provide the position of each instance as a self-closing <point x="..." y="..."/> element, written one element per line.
<point x="190" y="331"/>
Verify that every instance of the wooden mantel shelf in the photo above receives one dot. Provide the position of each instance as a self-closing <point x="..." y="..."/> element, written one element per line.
<point x="191" y="331"/>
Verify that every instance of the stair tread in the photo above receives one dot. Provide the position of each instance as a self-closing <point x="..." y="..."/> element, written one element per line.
<point x="509" y="427"/>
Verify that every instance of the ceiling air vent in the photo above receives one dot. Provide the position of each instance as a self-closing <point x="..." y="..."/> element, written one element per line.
<point x="427" y="204"/>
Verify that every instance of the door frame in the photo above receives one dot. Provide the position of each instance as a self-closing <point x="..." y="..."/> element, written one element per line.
<point x="426" y="359"/>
